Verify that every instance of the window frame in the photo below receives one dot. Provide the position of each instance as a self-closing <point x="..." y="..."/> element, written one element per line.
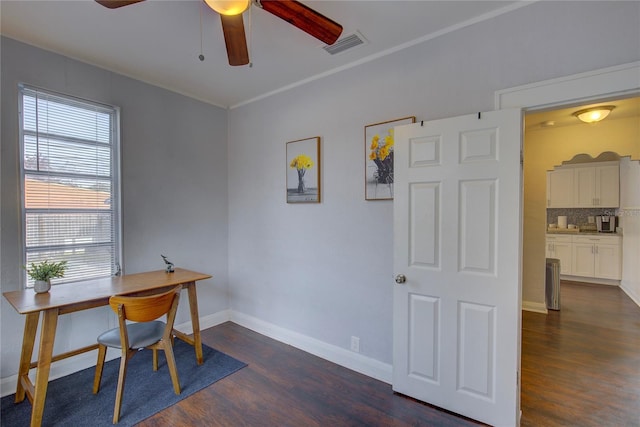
<point x="115" y="170"/>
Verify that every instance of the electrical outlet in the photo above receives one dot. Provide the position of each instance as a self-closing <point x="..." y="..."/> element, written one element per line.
<point x="355" y="344"/>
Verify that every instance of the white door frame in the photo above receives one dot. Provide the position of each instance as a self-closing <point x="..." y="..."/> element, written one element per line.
<point x="612" y="82"/>
<point x="608" y="83"/>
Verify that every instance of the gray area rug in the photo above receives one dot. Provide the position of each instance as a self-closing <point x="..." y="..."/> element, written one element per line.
<point x="70" y="401"/>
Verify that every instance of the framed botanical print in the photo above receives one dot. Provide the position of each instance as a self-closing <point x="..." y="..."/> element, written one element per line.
<point x="378" y="150"/>
<point x="303" y="170"/>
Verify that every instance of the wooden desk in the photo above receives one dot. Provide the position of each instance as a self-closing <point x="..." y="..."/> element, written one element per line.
<point x="71" y="297"/>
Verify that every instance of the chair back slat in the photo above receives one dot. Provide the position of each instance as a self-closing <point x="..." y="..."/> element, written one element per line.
<point x="144" y="308"/>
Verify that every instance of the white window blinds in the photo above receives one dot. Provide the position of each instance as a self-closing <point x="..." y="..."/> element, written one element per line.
<point x="69" y="168"/>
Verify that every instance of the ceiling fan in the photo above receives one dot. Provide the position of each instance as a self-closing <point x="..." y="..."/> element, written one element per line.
<point x="292" y="11"/>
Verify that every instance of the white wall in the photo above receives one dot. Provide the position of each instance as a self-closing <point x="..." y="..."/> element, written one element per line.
<point x="174" y="187"/>
<point x="630" y="223"/>
<point x="325" y="271"/>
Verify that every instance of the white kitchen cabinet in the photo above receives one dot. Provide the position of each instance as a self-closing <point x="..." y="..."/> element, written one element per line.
<point x="597" y="186"/>
<point x="584" y="186"/>
<point x="597" y="256"/>
<point x="560" y="188"/>
<point x="560" y="247"/>
<point x="608" y="261"/>
<point x="583" y="261"/>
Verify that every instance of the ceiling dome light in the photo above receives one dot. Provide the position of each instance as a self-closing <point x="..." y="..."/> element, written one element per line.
<point x="594" y="114"/>
<point x="228" y="7"/>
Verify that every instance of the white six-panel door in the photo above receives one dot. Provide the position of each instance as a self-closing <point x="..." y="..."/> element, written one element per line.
<point x="457" y="211"/>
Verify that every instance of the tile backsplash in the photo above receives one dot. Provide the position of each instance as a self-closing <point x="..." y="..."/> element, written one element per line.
<point x="577" y="216"/>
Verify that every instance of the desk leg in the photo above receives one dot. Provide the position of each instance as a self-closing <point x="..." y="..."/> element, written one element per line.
<point x="28" y="340"/>
<point x="47" y="336"/>
<point x="195" y="320"/>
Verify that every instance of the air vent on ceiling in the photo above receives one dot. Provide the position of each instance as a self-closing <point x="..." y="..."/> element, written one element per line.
<point x="345" y="43"/>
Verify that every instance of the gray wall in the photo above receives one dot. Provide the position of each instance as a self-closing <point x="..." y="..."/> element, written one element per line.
<point x="174" y="185"/>
<point x="326" y="271"/>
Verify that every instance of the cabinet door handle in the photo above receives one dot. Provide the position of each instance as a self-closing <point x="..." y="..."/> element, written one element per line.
<point x="596" y="250"/>
<point x="592" y="249"/>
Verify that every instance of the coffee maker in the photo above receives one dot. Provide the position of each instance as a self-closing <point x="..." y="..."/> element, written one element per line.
<point x="606" y="223"/>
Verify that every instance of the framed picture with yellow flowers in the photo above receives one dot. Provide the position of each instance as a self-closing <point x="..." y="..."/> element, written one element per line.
<point x="378" y="150"/>
<point x="303" y="170"/>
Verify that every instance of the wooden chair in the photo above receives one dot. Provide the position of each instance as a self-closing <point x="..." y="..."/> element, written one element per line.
<point x="147" y="333"/>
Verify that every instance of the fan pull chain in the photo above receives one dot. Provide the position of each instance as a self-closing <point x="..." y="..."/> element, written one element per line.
<point x="201" y="56"/>
<point x="250" y="37"/>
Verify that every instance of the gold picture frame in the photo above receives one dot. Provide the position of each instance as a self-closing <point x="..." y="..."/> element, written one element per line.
<point x="378" y="160"/>
<point x="303" y="170"/>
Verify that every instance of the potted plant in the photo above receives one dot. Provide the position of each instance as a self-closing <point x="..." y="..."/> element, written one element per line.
<point x="43" y="272"/>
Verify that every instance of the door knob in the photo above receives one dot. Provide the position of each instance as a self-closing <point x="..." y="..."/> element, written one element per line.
<point x="401" y="278"/>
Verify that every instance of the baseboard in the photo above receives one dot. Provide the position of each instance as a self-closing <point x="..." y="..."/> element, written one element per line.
<point x="205" y="322"/>
<point x="594" y="280"/>
<point x="628" y="290"/>
<point x="338" y="355"/>
<point x="537" y="307"/>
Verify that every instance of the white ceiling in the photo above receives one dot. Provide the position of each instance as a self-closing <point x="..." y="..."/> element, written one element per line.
<point x="624" y="108"/>
<point x="159" y="41"/>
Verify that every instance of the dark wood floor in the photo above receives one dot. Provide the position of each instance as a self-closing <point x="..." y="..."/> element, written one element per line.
<point x="580" y="367"/>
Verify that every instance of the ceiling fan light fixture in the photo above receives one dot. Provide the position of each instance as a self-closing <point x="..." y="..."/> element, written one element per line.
<point x="594" y="114"/>
<point x="228" y="7"/>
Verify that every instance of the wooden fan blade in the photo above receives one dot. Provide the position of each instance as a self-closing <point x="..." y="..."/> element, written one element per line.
<point x="305" y="18"/>
<point x="114" y="4"/>
<point x="234" y="38"/>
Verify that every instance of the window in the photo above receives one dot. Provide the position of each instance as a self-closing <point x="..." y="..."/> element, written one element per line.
<point x="70" y="184"/>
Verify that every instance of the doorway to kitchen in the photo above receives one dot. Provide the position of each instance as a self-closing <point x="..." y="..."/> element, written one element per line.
<point x="611" y="83"/>
<point x="555" y="140"/>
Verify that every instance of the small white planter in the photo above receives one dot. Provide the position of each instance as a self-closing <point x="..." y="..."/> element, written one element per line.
<point x="42" y="286"/>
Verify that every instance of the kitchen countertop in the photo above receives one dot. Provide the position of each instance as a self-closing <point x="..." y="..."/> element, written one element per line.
<point x="577" y="232"/>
